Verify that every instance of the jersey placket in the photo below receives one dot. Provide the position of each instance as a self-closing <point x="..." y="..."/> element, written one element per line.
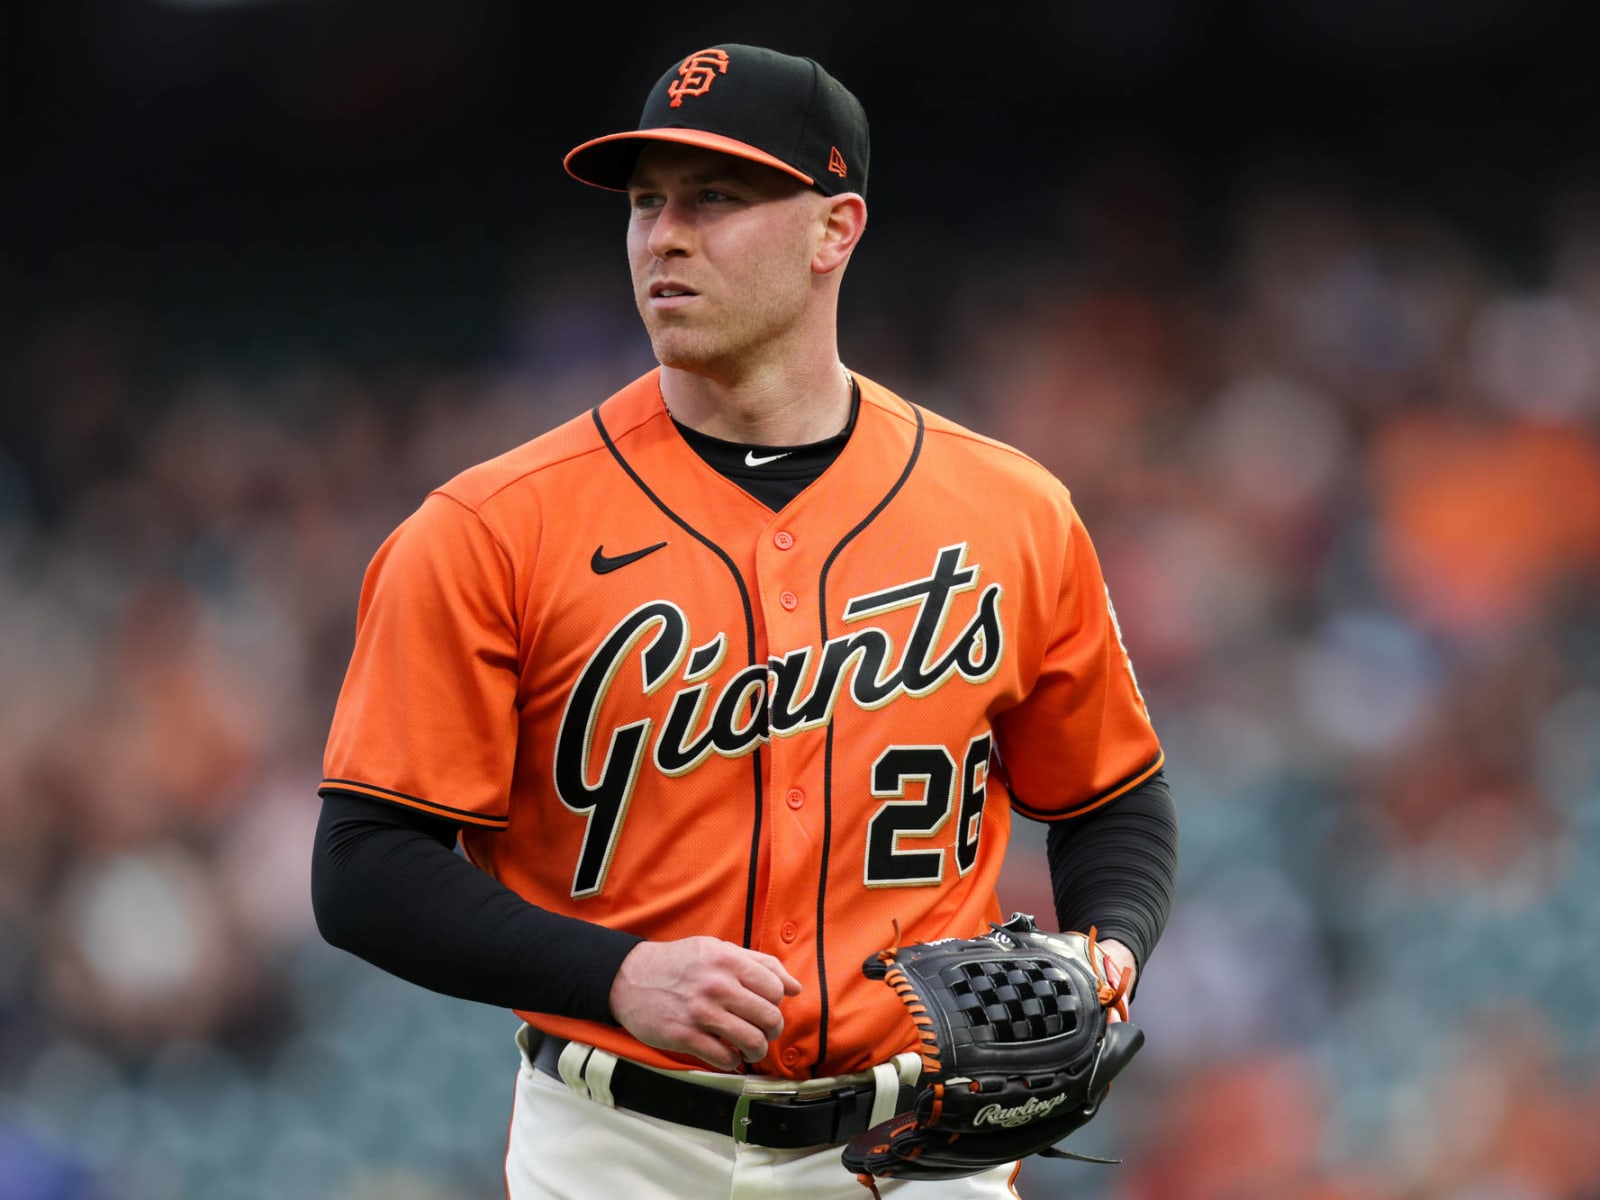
<point x="785" y="586"/>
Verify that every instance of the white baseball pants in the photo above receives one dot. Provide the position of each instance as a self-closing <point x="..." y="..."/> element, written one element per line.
<point x="565" y="1145"/>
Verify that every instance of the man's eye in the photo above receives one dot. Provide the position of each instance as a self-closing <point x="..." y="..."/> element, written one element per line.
<point x="646" y="200"/>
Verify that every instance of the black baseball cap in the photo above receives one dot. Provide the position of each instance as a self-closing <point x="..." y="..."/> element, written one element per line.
<point x="771" y="108"/>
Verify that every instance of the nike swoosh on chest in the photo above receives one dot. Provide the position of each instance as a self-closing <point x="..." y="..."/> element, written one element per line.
<point x="602" y="563"/>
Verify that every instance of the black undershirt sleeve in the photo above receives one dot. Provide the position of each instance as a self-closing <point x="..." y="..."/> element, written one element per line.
<point x="1116" y="867"/>
<point x="388" y="886"/>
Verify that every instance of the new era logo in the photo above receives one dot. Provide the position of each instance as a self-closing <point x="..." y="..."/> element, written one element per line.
<point x="696" y="75"/>
<point x="836" y="162"/>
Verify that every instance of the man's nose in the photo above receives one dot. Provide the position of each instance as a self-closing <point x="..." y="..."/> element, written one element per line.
<point x="671" y="231"/>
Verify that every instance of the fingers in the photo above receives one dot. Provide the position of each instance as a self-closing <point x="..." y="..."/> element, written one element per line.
<point x="767" y="977"/>
<point x="742" y="1018"/>
<point x="751" y="1017"/>
<point x="712" y="1051"/>
<point x="703" y="996"/>
<point x="1121" y="970"/>
<point x="731" y="1042"/>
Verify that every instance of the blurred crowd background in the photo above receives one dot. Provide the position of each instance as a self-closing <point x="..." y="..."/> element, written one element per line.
<point x="1302" y="300"/>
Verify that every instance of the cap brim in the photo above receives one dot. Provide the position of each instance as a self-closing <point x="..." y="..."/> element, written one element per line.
<point x="607" y="162"/>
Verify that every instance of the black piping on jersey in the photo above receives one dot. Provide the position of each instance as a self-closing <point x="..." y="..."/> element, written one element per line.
<point x="1138" y="776"/>
<point x="750" y="651"/>
<point x="827" y="758"/>
<point x="354" y="787"/>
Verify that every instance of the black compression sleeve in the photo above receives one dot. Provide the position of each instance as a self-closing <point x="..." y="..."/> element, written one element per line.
<point x="388" y="886"/>
<point x="1116" y="867"/>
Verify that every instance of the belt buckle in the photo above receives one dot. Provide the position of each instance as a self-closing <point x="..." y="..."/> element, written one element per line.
<point x="741" y="1108"/>
<point x="741" y="1118"/>
<point x="836" y="1095"/>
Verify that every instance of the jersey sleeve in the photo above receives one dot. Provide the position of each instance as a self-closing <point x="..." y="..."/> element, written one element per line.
<point x="427" y="713"/>
<point x="1083" y="736"/>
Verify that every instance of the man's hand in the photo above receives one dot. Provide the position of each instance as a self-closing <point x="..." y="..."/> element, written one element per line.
<point x="702" y="996"/>
<point x="1120" y="962"/>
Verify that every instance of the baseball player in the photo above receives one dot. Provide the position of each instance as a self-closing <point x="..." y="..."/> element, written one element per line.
<point x="718" y="685"/>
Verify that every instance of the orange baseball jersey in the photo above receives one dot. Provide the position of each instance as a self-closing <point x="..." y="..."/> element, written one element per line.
<point x="656" y="704"/>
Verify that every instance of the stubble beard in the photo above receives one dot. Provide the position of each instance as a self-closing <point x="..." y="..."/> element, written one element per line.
<point x="711" y="350"/>
<point x="684" y="349"/>
<point x="722" y="348"/>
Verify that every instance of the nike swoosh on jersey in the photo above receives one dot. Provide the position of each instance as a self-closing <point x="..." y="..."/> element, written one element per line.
<point x="752" y="459"/>
<point x="603" y="563"/>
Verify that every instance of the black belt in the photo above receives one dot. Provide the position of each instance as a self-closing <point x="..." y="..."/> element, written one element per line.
<point x="777" y="1122"/>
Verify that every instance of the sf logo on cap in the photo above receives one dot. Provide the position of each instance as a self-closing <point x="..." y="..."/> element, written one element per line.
<point x="699" y="71"/>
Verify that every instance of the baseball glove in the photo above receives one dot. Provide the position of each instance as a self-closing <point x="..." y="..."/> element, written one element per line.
<point x="1017" y="1050"/>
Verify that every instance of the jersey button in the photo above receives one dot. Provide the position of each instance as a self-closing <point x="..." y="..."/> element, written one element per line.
<point x="795" y="797"/>
<point x="789" y="600"/>
<point x="791" y="1056"/>
<point x="783" y="539"/>
<point x="789" y="932"/>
